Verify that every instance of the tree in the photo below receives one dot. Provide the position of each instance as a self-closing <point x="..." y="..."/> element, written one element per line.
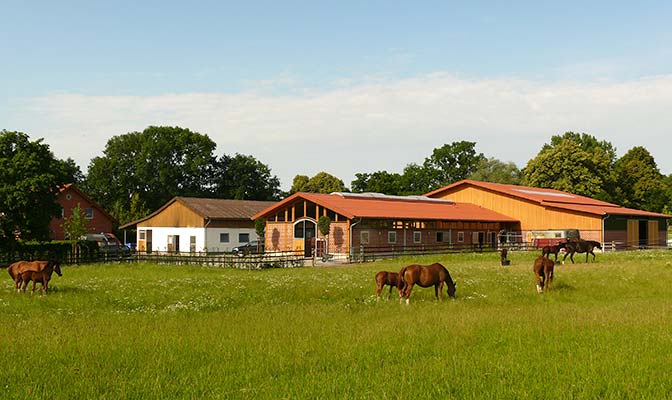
<point x="496" y="171"/>
<point x="378" y="182"/>
<point x="322" y="182"/>
<point x="640" y="183"/>
<point x="243" y="177"/>
<point x="299" y="183"/>
<point x="451" y="163"/>
<point x="574" y="163"/>
<point x="75" y="225"/>
<point x="155" y="164"/>
<point x="30" y="176"/>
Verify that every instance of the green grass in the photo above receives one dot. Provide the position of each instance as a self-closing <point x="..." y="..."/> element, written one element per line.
<point x="156" y="331"/>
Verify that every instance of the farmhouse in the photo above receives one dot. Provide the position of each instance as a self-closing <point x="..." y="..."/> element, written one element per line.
<point x="69" y="197"/>
<point x="376" y="220"/>
<point x="544" y="211"/>
<point x="187" y="224"/>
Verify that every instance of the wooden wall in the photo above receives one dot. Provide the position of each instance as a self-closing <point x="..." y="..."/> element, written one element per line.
<point x="176" y="214"/>
<point x="531" y="215"/>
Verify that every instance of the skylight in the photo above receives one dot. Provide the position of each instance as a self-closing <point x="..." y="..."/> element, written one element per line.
<point x="540" y="193"/>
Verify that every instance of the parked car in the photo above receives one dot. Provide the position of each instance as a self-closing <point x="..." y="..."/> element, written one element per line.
<point x="108" y="245"/>
<point x="253" y="247"/>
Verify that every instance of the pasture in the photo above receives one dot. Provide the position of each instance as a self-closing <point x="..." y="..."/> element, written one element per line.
<point x="156" y="331"/>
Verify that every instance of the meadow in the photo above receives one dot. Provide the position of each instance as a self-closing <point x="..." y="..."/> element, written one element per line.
<point x="148" y="331"/>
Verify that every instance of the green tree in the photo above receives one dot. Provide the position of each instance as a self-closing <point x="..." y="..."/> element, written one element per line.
<point x="243" y="177"/>
<point x="640" y="183"/>
<point x="299" y="183"/>
<point x="322" y="182"/>
<point x="496" y="171"/>
<point x="75" y="225"/>
<point x="30" y="176"/>
<point x="379" y="182"/>
<point x="451" y="163"/>
<point x="155" y="165"/>
<point x="574" y="163"/>
<point x="417" y="180"/>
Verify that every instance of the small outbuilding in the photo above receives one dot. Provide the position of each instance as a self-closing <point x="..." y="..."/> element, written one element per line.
<point x="542" y="211"/>
<point x="379" y="221"/>
<point x="188" y="224"/>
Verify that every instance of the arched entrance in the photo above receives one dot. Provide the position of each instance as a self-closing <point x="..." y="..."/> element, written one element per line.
<point x="306" y="229"/>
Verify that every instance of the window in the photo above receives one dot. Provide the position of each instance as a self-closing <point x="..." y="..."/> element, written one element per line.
<point x="243" y="237"/>
<point x="192" y="244"/>
<point x="439" y="237"/>
<point x="392" y="237"/>
<point x="88" y="213"/>
<point x="364" y="237"/>
<point x="224" y="237"/>
<point x="141" y="235"/>
<point x="417" y="237"/>
<point x="460" y="237"/>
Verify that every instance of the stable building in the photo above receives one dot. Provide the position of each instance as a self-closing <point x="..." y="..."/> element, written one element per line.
<point x="69" y="198"/>
<point x="543" y="212"/>
<point x="188" y="224"/>
<point x="378" y="221"/>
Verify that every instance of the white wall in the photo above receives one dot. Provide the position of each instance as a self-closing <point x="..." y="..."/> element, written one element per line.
<point x="209" y="241"/>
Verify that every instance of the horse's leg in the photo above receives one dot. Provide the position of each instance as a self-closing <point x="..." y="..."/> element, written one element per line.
<point x="408" y="290"/>
<point x="379" y="288"/>
<point x="389" y="294"/>
<point x="549" y="279"/>
<point x="441" y="290"/>
<point x="34" y="284"/>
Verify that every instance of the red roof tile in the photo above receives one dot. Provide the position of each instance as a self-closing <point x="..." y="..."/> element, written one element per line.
<point x="353" y="205"/>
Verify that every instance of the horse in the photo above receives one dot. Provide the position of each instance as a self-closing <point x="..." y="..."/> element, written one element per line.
<point x="43" y="276"/>
<point x="546" y="251"/>
<point x="543" y="272"/>
<point x="581" y="246"/>
<point x="16" y="269"/>
<point x="425" y="276"/>
<point x="388" y="278"/>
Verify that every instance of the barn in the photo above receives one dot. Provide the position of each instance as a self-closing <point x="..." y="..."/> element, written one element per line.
<point x="379" y="221"/>
<point x="189" y="224"/>
<point x="549" y="213"/>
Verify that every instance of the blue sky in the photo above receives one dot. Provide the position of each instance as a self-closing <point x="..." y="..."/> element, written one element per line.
<point x="379" y="84"/>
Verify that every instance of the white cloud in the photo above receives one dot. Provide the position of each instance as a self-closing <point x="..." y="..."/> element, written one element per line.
<point x="368" y="127"/>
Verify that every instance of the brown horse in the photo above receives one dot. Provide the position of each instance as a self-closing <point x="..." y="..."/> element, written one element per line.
<point x="425" y="276"/>
<point x="543" y="272"/>
<point x="546" y="251"/>
<point x="502" y="255"/>
<point x="581" y="246"/>
<point x="388" y="278"/>
<point x="43" y="276"/>
<point x="16" y="269"/>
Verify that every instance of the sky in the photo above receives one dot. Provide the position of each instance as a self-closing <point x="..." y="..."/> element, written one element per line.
<point x="343" y="87"/>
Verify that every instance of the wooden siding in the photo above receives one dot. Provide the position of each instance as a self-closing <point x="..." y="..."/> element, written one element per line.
<point x="280" y="237"/>
<point x="531" y="215"/>
<point x="175" y="214"/>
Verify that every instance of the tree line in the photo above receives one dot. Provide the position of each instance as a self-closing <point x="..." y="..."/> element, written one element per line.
<point x="138" y="172"/>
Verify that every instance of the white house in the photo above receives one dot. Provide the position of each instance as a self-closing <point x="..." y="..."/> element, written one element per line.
<point x="187" y="224"/>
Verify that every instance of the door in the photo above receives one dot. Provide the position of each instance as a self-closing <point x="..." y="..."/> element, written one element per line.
<point x="632" y="234"/>
<point x="149" y="240"/>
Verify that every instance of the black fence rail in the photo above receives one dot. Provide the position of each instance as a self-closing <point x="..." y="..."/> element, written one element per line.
<point x="224" y="260"/>
<point x="372" y="253"/>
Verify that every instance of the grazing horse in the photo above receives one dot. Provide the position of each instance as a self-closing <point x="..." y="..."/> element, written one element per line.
<point x="546" y="251"/>
<point x="43" y="276"/>
<point x="388" y="278"/>
<point x="425" y="276"/>
<point x="581" y="246"/>
<point x="503" y="253"/>
<point x="16" y="269"/>
<point x="543" y="272"/>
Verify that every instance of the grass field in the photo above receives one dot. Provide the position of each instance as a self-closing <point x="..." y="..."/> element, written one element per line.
<point x="144" y="331"/>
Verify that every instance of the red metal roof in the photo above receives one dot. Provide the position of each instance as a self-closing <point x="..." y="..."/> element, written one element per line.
<point x="353" y="205"/>
<point x="551" y="198"/>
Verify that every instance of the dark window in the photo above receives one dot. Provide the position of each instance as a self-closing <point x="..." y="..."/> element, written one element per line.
<point x="439" y="237"/>
<point x="223" y="238"/>
<point x="244" y="237"/>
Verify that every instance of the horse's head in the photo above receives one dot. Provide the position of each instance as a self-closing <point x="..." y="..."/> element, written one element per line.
<point x="57" y="267"/>
<point x="451" y="288"/>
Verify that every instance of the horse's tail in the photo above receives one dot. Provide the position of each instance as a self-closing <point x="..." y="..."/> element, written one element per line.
<point x="402" y="281"/>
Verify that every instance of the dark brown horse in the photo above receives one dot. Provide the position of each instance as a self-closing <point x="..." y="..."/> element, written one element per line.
<point x="16" y="269"/>
<point x="581" y="246"/>
<point x="543" y="272"/>
<point x="502" y="255"/>
<point x="425" y="276"/>
<point x="546" y="251"/>
<point x="388" y="278"/>
<point x="43" y="276"/>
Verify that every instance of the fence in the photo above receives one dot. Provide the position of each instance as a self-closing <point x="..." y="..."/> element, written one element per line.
<point x="224" y="260"/>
